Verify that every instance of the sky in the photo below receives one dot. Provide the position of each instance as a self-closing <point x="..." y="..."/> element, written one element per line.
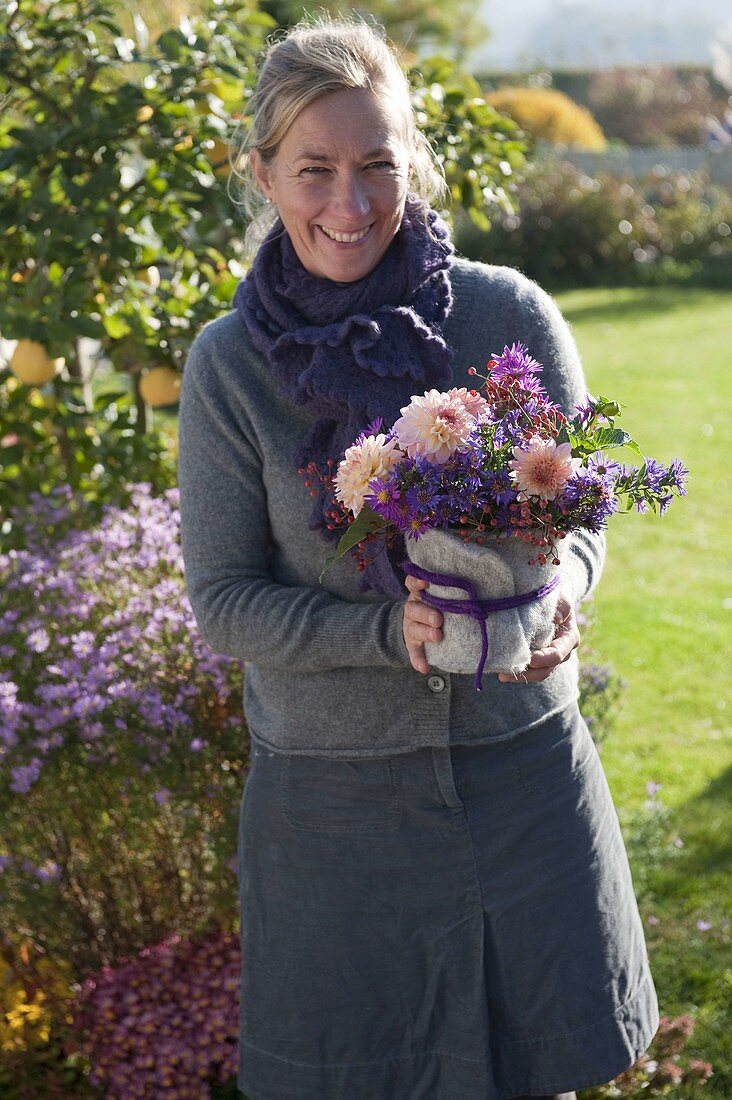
<point x="587" y="33"/>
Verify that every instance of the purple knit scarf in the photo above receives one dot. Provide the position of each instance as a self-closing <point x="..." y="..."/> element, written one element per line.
<point x="357" y="351"/>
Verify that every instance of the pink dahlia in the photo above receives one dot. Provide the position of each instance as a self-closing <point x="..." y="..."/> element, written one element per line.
<point x="371" y="458"/>
<point x="475" y="405"/>
<point x="434" y="426"/>
<point x="543" y="468"/>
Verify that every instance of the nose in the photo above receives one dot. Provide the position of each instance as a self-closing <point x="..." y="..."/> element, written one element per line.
<point x="351" y="197"/>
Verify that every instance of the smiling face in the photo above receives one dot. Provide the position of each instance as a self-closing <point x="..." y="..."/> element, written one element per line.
<point x="339" y="181"/>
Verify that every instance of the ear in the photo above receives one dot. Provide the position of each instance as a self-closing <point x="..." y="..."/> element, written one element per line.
<point x="261" y="173"/>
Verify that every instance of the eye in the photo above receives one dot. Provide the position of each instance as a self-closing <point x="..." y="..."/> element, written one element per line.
<point x="312" y="170"/>
<point x="380" y="164"/>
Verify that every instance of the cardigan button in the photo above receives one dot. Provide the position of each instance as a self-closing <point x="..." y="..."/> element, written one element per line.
<point x="436" y="683"/>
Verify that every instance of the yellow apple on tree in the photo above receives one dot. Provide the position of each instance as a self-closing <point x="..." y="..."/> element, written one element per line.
<point x="160" y="386"/>
<point x="217" y="155"/>
<point x="31" y="363"/>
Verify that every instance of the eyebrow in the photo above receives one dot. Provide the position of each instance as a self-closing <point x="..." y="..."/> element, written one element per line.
<point x="322" y="157"/>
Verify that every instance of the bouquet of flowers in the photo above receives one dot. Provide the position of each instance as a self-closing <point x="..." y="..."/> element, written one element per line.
<point x="486" y="486"/>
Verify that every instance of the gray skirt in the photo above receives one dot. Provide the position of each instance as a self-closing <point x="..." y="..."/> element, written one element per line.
<point x="446" y="924"/>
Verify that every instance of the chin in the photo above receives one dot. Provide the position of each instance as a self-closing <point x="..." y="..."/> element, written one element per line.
<point x="349" y="271"/>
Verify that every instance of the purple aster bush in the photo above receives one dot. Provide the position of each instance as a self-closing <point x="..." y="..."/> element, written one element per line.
<point x="122" y="743"/>
<point x="163" y="1023"/>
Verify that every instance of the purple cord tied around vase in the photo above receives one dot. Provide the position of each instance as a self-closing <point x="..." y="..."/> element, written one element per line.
<point x="477" y="609"/>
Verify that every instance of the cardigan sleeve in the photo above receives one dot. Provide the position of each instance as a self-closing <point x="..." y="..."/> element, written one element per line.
<point x="564" y="380"/>
<point x="239" y="608"/>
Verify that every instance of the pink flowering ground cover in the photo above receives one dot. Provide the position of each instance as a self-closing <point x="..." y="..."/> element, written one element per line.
<point x="162" y="1024"/>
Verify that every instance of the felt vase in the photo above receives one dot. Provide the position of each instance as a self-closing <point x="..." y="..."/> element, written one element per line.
<point x="497" y="570"/>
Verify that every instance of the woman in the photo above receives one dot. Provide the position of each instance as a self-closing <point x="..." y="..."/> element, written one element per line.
<point x="435" y="896"/>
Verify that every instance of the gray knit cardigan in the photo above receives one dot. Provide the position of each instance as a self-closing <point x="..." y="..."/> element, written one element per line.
<point x="327" y="670"/>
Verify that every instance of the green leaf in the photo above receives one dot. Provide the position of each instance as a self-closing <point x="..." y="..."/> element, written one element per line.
<point x="101" y="401"/>
<point x="87" y="326"/>
<point x="116" y="326"/>
<point x="615" y="437"/>
<point x="365" y="522"/>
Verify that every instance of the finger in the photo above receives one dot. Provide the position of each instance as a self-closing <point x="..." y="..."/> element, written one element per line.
<point x="418" y="659"/>
<point x="421" y="624"/>
<point x="416" y="611"/>
<point x="564" y="644"/>
<point x="527" y="676"/>
<point x="548" y="658"/>
<point x="415" y="585"/>
<point x="418" y="633"/>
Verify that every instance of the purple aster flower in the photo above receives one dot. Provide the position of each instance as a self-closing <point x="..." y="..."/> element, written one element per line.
<point x="38" y="640"/>
<point x="589" y="501"/>
<point x="510" y="429"/>
<point x="374" y="428"/>
<point x="24" y="776"/>
<point x="417" y="524"/>
<point x="384" y="498"/>
<point x="498" y="486"/>
<point x="677" y="475"/>
<point x="514" y="362"/>
<point x="422" y="497"/>
<point x="584" y="410"/>
<point x="655" y="473"/>
<point x="601" y="465"/>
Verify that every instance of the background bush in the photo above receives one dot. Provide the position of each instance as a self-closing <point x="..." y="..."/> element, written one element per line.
<point x="573" y="229"/>
<point x="549" y="115"/>
<point x="650" y="105"/>
<point x="50" y="437"/>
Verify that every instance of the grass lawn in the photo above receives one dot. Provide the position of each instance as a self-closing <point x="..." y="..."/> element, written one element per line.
<point x="664" y="608"/>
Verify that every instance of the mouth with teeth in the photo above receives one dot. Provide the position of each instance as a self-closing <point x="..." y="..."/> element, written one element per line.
<point x="344" y="238"/>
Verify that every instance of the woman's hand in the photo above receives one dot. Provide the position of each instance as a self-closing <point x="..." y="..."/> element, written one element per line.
<point x="544" y="661"/>
<point x="420" y="624"/>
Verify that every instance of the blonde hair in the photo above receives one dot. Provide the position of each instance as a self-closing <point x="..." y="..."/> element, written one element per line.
<point x="315" y="57"/>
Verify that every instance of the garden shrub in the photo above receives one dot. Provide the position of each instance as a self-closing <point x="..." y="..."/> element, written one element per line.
<point x="35" y="994"/>
<point x="122" y="743"/>
<point x="50" y="440"/>
<point x="548" y="115"/>
<point x="570" y="228"/>
<point x="29" y="989"/>
<point x="656" y="106"/>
